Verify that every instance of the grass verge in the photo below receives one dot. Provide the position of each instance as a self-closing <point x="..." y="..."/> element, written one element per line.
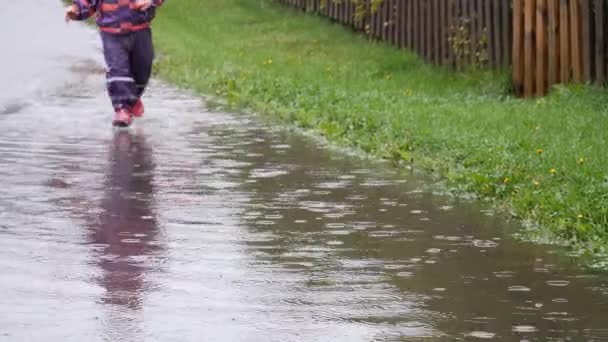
<point x="545" y="159"/>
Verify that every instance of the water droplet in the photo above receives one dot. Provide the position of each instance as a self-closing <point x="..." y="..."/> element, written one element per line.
<point x="482" y="334"/>
<point x="519" y="289"/>
<point x="524" y="329"/>
<point x="334" y="243"/>
<point x="484" y="243"/>
<point x="558" y="283"/>
<point x="503" y="274"/>
<point x="394" y="267"/>
<point x="405" y="274"/>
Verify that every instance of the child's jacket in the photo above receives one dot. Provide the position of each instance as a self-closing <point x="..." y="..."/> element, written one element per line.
<point x="117" y="16"/>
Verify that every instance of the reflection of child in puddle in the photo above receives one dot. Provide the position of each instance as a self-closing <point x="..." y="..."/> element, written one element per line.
<point x="126" y="229"/>
<point x="127" y="46"/>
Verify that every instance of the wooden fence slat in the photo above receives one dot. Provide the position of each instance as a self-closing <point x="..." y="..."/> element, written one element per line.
<point x="403" y="23"/>
<point x="392" y="18"/>
<point x="552" y="43"/>
<point x="443" y="33"/>
<point x="467" y="14"/>
<point x="575" y="36"/>
<point x="475" y="34"/>
<point x="600" y="41"/>
<point x="451" y="24"/>
<point x="337" y="6"/>
<point x="541" y="47"/>
<point x="529" y="16"/>
<point x="495" y="38"/>
<point x="587" y="54"/>
<point x="564" y="33"/>
<point x="482" y="27"/>
<point x="416" y="27"/>
<point x="410" y="24"/>
<point x="479" y="17"/>
<point x="379" y="23"/>
<point x="385" y="20"/>
<point x="506" y="32"/>
<point x="345" y="12"/>
<point x="428" y="27"/>
<point x="395" y="17"/>
<point x="490" y="30"/>
<point x="421" y="29"/>
<point x="436" y="31"/>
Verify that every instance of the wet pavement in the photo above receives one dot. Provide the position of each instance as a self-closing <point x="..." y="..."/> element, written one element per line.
<point x="200" y="225"/>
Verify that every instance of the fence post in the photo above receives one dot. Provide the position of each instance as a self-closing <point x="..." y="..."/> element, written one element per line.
<point x="529" y="44"/>
<point x="553" y="43"/>
<point x="575" y="29"/>
<point x="600" y="42"/>
<point x="506" y="32"/>
<point x="587" y="43"/>
<point x="564" y="41"/>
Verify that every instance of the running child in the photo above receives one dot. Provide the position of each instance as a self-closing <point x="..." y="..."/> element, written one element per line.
<point x="127" y="47"/>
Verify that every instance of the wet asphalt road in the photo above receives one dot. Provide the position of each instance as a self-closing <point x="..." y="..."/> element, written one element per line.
<point x="201" y="225"/>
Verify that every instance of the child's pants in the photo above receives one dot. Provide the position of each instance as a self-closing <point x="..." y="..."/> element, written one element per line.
<point x="129" y="60"/>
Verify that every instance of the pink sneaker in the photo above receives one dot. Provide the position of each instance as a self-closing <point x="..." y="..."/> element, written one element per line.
<point x="138" y="109"/>
<point x="122" y="118"/>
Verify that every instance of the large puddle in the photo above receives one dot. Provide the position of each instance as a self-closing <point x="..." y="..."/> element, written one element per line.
<point x="198" y="225"/>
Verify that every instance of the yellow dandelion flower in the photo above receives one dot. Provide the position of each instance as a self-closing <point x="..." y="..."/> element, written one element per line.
<point x="553" y="171"/>
<point x="581" y="161"/>
<point x="539" y="151"/>
<point x="506" y="180"/>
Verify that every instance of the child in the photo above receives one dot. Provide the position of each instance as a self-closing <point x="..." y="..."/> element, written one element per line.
<point x="127" y="47"/>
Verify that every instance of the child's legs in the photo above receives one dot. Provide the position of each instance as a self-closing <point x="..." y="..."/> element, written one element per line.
<point x="142" y="56"/>
<point x="120" y="81"/>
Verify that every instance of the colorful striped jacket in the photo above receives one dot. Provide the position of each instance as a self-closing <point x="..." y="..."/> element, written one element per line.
<point x="117" y="16"/>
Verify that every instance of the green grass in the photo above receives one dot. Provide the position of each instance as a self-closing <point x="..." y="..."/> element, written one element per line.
<point x="465" y="127"/>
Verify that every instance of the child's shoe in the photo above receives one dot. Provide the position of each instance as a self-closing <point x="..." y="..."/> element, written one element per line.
<point x="122" y="118"/>
<point x="138" y="109"/>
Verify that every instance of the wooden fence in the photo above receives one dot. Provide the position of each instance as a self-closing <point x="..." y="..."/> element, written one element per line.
<point x="546" y="42"/>
<point x="558" y="41"/>
<point x="446" y="32"/>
